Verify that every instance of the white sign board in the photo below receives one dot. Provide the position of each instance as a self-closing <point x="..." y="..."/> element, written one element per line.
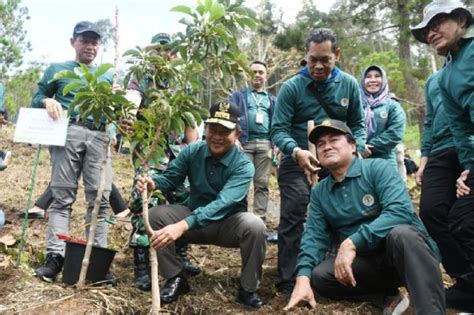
<point x="36" y="127"/>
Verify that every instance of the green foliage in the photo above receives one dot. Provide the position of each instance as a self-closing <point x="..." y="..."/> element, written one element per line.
<point x="412" y="136"/>
<point x="212" y="30"/>
<point x="94" y="96"/>
<point x="169" y="105"/>
<point x="208" y="49"/>
<point x="20" y="89"/>
<point x="13" y="41"/>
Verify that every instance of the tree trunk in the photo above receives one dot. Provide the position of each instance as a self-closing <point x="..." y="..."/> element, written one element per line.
<point x="414" y="93"/>
<point x="95" y="213"/>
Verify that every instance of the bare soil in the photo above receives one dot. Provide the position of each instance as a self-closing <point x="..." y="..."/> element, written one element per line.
<point x="213" y="291"/>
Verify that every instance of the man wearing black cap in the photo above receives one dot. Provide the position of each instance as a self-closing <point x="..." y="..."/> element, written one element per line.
<point x="82" y="154"/>
<point x="448" y="27"/>
<point x="383" y="244"/>
<point x="321" y="90"/>
<point x="219" y="176"/>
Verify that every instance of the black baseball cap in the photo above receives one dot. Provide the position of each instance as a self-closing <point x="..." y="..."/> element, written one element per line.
<point x="331" y="125"/>
<point x="224" y="113"/>
<point x="84" y="27"/>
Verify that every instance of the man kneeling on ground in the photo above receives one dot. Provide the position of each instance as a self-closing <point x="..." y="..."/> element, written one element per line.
<point x="383" y="244"/>
<point x="219" y="175"/>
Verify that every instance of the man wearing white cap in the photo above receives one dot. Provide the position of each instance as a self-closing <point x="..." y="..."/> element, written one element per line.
<point x="447" y="27"/>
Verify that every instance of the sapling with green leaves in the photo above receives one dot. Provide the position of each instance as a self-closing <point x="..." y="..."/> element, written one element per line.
<point x="168" y="106"/>
<point x="95" y="100"/>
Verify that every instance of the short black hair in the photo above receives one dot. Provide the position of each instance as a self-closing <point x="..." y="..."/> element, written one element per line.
<point x="321" y="35"/>
<point x="259" y="62"/>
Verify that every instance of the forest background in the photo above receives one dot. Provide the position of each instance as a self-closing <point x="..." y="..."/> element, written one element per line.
<point x="369" y="31"/>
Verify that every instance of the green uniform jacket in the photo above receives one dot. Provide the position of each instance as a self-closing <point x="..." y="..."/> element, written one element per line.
<point x="365" y="206"/>
<point x="390" y="118"/>
<point x="218" y="188"/>
<point x="296" y="104"/>
<point x="436" y="132"/>
<point x="54" y="89"/>
<point x="457" y="86"/>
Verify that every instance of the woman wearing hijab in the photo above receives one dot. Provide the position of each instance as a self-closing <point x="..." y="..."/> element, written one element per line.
<point x="384" y="117"/>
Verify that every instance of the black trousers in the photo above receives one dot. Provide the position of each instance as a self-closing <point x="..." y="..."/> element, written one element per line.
<point x="406" y="259"/>
<point x="294" y="194"/>
<point x="116" y="200"/>
<point x="438" y="198"/>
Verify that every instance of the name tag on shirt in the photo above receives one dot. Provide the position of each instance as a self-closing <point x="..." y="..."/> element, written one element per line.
<point x="259" y="118"/>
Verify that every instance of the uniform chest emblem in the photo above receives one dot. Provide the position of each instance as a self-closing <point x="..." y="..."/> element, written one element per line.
<point x="383" y="114"/>
<point x="344" y="101"/>
<point x="368" y="200"/>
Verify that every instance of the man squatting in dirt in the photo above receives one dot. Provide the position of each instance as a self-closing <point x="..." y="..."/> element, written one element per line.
<point x="382" y="242"/>
<point x="219" y="175"/>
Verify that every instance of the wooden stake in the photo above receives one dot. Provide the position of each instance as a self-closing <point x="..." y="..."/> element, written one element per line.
<point x="155" y="288"/>
<point x="312" y="149"/>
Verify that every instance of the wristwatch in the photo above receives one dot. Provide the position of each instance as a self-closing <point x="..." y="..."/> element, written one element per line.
<point x="293" y="154"/>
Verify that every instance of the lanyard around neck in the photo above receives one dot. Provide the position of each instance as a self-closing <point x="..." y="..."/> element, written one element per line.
<point x="257" y="102"/>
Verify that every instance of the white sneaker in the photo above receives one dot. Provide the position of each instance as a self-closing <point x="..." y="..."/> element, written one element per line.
<point x="396" y="305"/>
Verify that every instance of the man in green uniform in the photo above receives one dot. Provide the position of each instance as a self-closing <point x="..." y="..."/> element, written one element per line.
<point x="256" y="110"/>
<point x="81" y="156"/>
<point x="447" y="27"/>
<point x="382" y="242"/>
<point x="219" y="174"/>
<point x="319" y="91"/>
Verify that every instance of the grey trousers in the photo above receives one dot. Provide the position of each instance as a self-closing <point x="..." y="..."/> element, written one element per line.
<point x="407" y="260"/>
<point x="242" y="230"/>
<point x="82" y="155"/>
<point x="260" y="153"/>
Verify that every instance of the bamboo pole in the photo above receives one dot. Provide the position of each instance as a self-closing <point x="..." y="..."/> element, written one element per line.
<point x="95" y="213"/>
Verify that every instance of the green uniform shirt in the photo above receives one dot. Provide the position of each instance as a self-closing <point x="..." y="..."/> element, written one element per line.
<point x="457" y="86"/>
<point x="390" y="119"/>
<point x="296" y="104"/>
<point x="365" y="206"/>
<point x="436" y="132"/>
<point x="258" y="102"/>
<point x="54" y="89"/>
<point x="217" y="187"/>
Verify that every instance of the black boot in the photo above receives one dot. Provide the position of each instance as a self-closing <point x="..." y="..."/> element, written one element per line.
<point x="189" y="268"/>
<point x="173" y="288"/>
<point x="51" y="268"/>
<point x="141" y="261"/>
